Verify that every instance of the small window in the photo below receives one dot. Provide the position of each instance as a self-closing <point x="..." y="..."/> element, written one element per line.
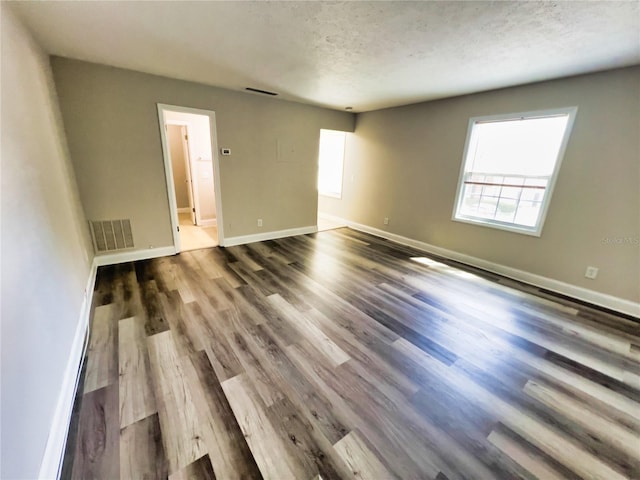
<point x="510" y="167"/>
<point x="330" y="163"/>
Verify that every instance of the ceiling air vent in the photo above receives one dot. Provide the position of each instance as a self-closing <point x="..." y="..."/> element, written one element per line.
<point x="264" y="92"/>
<point x="111" y="234"/>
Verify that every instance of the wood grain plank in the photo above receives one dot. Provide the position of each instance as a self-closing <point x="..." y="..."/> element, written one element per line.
<point x="137" y="399"/>
<point x="236" y="333"/>
<point x="316" y="337"/>
<point x="219" y="351"/>
<point x="229" y="453"/>
<point x="607" y="431"/>
<point x="271" y="455"/>
<point x="183" y="435"/>
<point x="97" y="449"/>
<point x="186" y="335"/>
<point x="155" y="322"/>
<point x="309" y="446"/>
<point x="534" y="463"/>
<point x="322" y="414"/>
<point x="542" y="436"/>
<point x="102" y="360"/>
<point x="344" y="355"/>
<point x="393" y="443"/>
<point x="141" y="451"/>
<point x="362" y="461"/>
<point x="201" y="469"/>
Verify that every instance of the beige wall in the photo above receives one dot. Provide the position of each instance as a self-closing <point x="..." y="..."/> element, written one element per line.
<point x="405" y="164"/>
<point x="112" y="128"/>
<point x="46" y="254"/>
<point x="178" y="165"/>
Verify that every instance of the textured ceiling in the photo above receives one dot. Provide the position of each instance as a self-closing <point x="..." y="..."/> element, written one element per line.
<point x="368" y="55"/>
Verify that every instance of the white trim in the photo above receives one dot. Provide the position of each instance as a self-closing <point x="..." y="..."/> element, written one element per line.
<point x="471" y="141"/>
<point x="332" y="218"/>
<point x="54" y="451"/>
<point x="184" y="210"/>
<point x="133" y="255"/>
<point x="169" y="174"/>
<point x="259" y="237"/>
<point x="580" y="293"/>
<point x="208" y="223"/>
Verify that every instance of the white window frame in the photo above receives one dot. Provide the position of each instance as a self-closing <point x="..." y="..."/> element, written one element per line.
<point x="536" y="230"/>
<point x="337" y="195"/>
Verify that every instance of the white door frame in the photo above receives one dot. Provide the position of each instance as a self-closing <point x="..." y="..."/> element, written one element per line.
<point x="171" y="194"/>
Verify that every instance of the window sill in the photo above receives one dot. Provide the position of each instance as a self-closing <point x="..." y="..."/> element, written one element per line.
<point x="499" y="226"/>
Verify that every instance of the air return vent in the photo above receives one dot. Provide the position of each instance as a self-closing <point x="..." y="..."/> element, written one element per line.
<point x="111" y="234"/>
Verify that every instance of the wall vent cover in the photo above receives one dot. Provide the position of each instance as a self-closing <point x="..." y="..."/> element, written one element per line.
<point x="111" y="234"/>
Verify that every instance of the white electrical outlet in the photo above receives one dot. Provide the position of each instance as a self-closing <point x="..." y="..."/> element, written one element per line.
<point x="592" y="273"/>
<point x="386" y="220"/>
<point x="259" y="222"/>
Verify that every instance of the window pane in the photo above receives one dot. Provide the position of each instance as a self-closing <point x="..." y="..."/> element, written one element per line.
<point x="508" y="167"/>
<point x="506" y="210"/>
<point x="330" y="162"/>
<point x="492" y="191"/>
<point x="532" y="194"/>
<point x="538" y="182"/>
<point x="470" y="204"/>
<point x="487" y="207"/>
<point x="514" y="180"/>
<point x="528" y="213"/>
<point x="511" y="192"/>
<point x="522" y="147"/>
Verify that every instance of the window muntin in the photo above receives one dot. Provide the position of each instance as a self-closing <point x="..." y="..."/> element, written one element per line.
<point x="331" y="162"/>
<point x="509" y="169"/>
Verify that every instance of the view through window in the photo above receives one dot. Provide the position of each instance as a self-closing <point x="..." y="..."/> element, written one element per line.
<point x="509" y="169"/>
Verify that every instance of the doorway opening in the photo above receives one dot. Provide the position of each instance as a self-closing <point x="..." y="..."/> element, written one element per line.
<point x="330" y="172"/>
<point x="193" y="176"/>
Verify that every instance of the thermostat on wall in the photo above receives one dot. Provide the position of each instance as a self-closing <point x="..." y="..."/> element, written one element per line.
<point x="225" y="151"/>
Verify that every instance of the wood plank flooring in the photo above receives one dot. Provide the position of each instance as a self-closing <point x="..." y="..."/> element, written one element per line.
<point x="341" y="355"/>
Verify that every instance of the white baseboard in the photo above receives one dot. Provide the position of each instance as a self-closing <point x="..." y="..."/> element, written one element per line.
<point x="333" y="218"/>
<point x="184" y="210"/>
<point x="596" y="298"/>
<point x="260" y="237"/>
<point x="51" y="465"/>
<point x="133" y="255"/>
<point x="209" y="223"/>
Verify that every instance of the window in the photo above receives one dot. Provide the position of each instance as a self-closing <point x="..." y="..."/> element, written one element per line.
<point x="509" y="169"/>
<point x="330" y="163"/>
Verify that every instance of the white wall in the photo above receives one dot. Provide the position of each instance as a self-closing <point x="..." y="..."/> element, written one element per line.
<point x="45" y="249"/>
<point x="202" y="160"/>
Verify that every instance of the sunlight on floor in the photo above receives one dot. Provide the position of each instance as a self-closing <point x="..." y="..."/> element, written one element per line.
<point x="193" y="237"/>
<point x="428" y="262"/>
<point x="326" y="224"/>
